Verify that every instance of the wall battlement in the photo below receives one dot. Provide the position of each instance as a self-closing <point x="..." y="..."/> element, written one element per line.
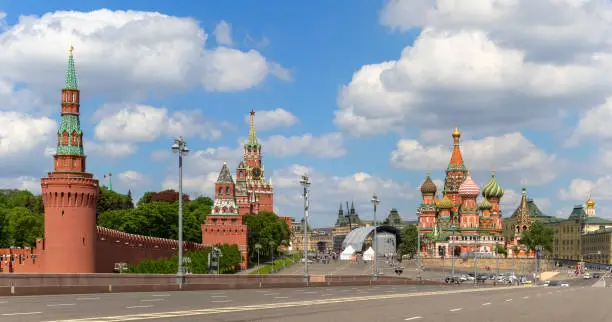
<point x="119" y="237"/>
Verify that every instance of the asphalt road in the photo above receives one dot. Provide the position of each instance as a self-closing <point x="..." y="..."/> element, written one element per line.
<point x="381" y="303"/>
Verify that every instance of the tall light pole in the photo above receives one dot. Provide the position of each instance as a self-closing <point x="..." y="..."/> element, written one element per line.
<point x="375" y="202"/>
<point x="180" y="147"/>
<point x="305" y="182"/>
<point x="418" y="251"/>
<point x="453" y="252"/>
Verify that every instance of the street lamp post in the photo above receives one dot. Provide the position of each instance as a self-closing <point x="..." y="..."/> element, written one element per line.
<point x="180" y="147"/>
<point x="453" y="252"/>
<point x="538" y="249"/>
<point x="305" y="182"/>
<point x="258" y="250"/>
<point x="375" y="202"/>
<point x="418" y="252"/>
<point x="272" y="244"/>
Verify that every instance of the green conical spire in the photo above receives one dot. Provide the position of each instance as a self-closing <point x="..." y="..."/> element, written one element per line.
<point x="252" y="140"/>
<point x="71" y="78"/>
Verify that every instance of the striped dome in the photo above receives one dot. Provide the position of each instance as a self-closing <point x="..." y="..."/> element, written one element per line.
<point x="428" y="186"/>
<point x="469" y="188"/>
<point x="445" y="203"/>
<point x="485" y="205"/>
<point x="492" y="189"/>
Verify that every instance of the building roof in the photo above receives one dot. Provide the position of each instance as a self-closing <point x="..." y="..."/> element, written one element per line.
<point x="469" y="188"/>
<point x="456" y="161"/>
<point x="579" y="214"/>
<point x="492" y="189"/>
<point x="252" y="140"/>
<point x="357" y="237"/>
<point x="224" y="175"/>
<point x="71" y="78"/>
<point x="428" y="186"/>
<point x="534" y="211"/>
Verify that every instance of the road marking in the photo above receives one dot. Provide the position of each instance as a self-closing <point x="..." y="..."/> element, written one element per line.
<point x="138" y="306"/>
<point x="219" y="296"/>
<point x="525" y="297"/>
<point x="485" y="304"/>
<point x="65" y="304"/>
<point x="558" y="291"/>
<point x="221" y="301"/>
<point x="2" y="302"/>
<point x="161" y="295"/>
<point x="23" y="313"/>
<point x="413" y="318"/>
<point x="389" y="291"/>
<point x="508" y="300"/>
<point x="268" y="294"/>
<point x="152" y="300"/>
<point x="302" y="303"/>
<point x="311" y="292"/>
<point x="457" y="309"/>
<point x="549" y="292"/>
<point x="87" y="298"/>
<point x="282" y="297"/>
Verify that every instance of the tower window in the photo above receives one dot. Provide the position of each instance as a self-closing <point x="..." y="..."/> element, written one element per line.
<point x="220" y="190"/>
<point x="62" y="213"/>
<point x="227" y="190"/>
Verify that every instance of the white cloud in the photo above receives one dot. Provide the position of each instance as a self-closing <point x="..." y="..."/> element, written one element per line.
<point x="223" y="33"/>
<point x="511" y="153"/>
<point x="330" y="145"/>
<point x="142" y="123"/>
<point x="579" y="189"/>
<point x="491" y="65"/>
<point x="114" y="150"/>
<point x="160" y="155"/>
<point x="31" y="184"/>
<point x="268" y="120"/>
<point x="123" y="55"/>
<point x="593" y="124"/>
<point x="328" y="190"/>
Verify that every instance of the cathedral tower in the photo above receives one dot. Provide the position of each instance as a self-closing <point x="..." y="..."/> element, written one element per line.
<point x="590" y="207"/>
<point x="468" y="218"/>
<point x="70" y="193"/>
<point x="455" y="173"/>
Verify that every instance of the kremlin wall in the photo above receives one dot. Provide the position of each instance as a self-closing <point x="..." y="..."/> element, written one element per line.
<point x="73" y="243"/>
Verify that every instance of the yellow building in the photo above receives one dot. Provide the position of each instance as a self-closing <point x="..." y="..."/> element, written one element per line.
<point x="568" y="241"/>
<point x="597" y="246"/>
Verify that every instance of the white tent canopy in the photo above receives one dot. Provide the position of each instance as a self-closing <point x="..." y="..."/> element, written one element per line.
<point x="348" y="253"/>
<point x="368" y="255"/>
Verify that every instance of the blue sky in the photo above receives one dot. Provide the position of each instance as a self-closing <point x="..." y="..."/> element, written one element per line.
<point x="361" y="94"/>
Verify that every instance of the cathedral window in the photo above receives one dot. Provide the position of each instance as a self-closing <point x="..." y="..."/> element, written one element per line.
<point x="65" y="138"/>
<point x="220" y="190"/>
<point x="227" y="190"/>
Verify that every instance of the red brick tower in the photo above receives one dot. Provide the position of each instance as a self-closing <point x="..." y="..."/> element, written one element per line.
<point x="224" y="224"/>
<point x="69" y="193"/>
<point x="253" y="192"/>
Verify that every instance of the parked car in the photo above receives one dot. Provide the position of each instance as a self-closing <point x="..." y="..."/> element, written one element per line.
<point x="564" y="284"/>
<point x="554" y="284"/>
<point x="586" y="276"/>
<point x="596" y="275"/>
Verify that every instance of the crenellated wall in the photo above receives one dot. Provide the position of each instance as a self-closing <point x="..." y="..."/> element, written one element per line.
<point x="111" y="246"/>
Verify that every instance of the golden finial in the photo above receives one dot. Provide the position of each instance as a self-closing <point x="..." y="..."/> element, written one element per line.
<point x="590" y="203"/>
<point x="456" y="132"/>
<point x="71" y="49"/>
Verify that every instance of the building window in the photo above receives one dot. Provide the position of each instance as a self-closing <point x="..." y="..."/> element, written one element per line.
<point x="227" y="190"/>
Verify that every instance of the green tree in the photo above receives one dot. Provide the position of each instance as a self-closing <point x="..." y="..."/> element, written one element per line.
<point x="23" y="226"/>
<point x="264" y="228"/>
<point x="409" y="242"/>
<point x="538" y="235"/>
<point x="112" y="200"/>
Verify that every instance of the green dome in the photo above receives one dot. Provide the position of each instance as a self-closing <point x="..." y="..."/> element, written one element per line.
<point x="492" y="189"/>
<point x="444" y="203"/>
<point x="485" y="205"/>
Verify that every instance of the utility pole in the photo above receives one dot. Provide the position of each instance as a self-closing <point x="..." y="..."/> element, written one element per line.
<point x="375" y="202"/>
<point x="305" y="182"/>
<point x="453" y="252"/>
<point x="180" y="147"/>
<point x="419" y="244"/>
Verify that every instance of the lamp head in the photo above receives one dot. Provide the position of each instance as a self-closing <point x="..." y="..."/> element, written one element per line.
<point x="175" y="147"/>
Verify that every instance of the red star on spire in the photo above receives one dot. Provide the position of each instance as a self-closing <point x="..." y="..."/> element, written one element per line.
<point x="252" y="113"/>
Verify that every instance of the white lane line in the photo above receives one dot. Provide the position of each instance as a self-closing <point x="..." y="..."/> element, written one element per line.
<point x="161" y="295"/>
<point x="222" y="301"/>
<point x="23" y="313"/>
<point x="282" y="297"/>
<point x="219" y="296"/>
<point x="413" y="318"/>
<point x="558" y="291"/>
<point x="485" y="304"/>
<point x="268" y="294"/>
<point x="63" y="304"/>
<point x="152" y="300"/>
<point x="87" y="298"/>
<point x="525" y="297"/>
<point x="2" y="302"/>
<point x="138" y="306"/>
<point x="457" y="309"/>
<point x="389" y="291"/>
<point x="508" y="300"/>
<point x="311" y="292"/>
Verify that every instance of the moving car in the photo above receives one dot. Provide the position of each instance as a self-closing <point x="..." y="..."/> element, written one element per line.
<point x="586" y="276"/>
<point x="564" y="284"/>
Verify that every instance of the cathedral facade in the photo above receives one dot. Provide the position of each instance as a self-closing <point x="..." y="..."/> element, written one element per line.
<point x="456" y="220"/>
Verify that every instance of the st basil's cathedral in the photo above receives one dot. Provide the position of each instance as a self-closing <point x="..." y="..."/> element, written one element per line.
<point x="457" y="220"/>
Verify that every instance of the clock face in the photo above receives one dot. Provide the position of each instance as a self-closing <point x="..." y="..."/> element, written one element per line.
<point x="256" y="172"/>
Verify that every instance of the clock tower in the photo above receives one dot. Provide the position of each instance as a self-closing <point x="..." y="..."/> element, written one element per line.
<point x="253" y="192"/>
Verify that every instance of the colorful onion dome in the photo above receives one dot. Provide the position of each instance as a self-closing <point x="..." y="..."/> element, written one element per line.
<point x="445" y="203"/>
<point x="469" y="188"/>
<point x="492" y="189"/>
<point x="485" y="205"/>
<point x="428" y="186"/>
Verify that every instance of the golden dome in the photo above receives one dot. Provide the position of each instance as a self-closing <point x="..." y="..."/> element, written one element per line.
<point x="590" y="203"/>
<point x="456" y="133"/>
